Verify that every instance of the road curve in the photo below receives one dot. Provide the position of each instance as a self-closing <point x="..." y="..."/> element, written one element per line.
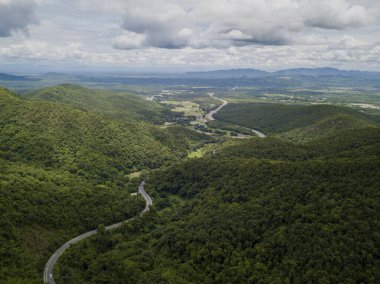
<point x="210" y="115"/>
<point x="258" y="133"/>
<point x="48" y="272"/>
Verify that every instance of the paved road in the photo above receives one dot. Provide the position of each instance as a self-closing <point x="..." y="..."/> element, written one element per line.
<point x="48" y="273"/>
<point x="210" y="116"/>
<point x="258" y="133"/>
<point x="148" y="200"/>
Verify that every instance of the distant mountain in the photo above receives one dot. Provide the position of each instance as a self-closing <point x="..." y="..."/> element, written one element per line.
<point x="7" y="77"/>
<point x="326" y="71"/>
<point x="54" y="74"/>
<point x="232" y="73"/>
<point x="254" y="73"/>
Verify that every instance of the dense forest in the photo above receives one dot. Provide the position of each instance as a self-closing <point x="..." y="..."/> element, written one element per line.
<point x="41" y="208"/>
<point x="253" y="211"/>
<point x="296" y="122"/>
<point x="86" y="143"/>
<point x="117" y="105"/>
<point x="245" y="221"/>
<point x="63" y="170"/>
<point x="300" y="206"/>
<point x="364" y="142"/>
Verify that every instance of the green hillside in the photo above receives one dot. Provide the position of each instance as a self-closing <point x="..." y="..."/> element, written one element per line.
<point x="252" y="211"/>
<point x="295" y="122"/>
<point x="354" y="143"/>
<point x="41" y="208"/>
<point x="300" y="206"/>
<point x="86" y="143"/>
<point x="64" y="170"/>
<point x="268" y="148"/>
<point x="245" y="221"/>
<point x="116" y="105"/>
<point x="363" y="142"/>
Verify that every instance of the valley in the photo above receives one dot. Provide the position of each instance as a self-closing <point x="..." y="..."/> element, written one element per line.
<point x="299" y="206"/>
<point x="190" y="142"/>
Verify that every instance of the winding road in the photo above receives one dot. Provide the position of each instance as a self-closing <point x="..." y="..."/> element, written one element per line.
<point x="49" y="268"/>
<point x="210" y="116"/>
<point x="258" y="133"/>
<point x="48" y="272"/>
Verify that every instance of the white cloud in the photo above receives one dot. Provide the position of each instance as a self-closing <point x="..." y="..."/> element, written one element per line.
<point x="336" y="14"/>
<point x="226" y="23"/>
<point x="129" y="40"/>
<point x="266" y="34"/>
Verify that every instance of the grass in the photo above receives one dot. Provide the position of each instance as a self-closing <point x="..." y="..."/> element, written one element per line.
<point x="187" y="107"/>
<point x="196" y="154"/>
<point x="134" y="175"/>
<point x="208" y="149"/>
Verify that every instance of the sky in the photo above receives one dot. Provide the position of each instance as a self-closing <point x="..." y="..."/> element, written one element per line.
<point x="179" y="35"/>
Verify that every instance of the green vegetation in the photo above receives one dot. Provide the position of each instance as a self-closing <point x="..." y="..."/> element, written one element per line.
<point x="252" y="211"/>
<point x="196" y="154"/>
<point x="295" y="122"/>
<point x="364" y="142"/>
<point x="301" y="206"/>
<point x="217" y="124"/>
<point x="268" y="148"/>
<point x="188" y="108"/>
<point x="41" y="208"/>
<point x="117" y="105"/>
<point x="245" y="221"/>
<point x="65" y="170"/>
<point x="198" y="97"/>
<point x="85" y="143"/>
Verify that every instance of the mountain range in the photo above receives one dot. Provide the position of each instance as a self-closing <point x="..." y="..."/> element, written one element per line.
<point x="8" y="77"/>
<point x="255" y="73"/>
<point x="225" y="74"/>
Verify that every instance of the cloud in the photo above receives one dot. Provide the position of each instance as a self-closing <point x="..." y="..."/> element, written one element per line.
<point x="16" y="15"/>
<point x="129" y="40"/>
<point x="270" y="34"/>
<point x="339" y="53"/>
<point x="44" y="51"/>
<point x="162" y="24"/>
<point x="337" y="14"/>
<point x="226" y="23"/>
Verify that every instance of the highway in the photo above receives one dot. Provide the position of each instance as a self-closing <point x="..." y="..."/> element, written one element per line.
<point x="49" y="268"/>
<point x="258" y="133"/>
<point x="210" y="115"/>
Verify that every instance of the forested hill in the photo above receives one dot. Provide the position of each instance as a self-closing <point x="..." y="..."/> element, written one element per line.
<point x="363" y="142"/>
<point x="299" y="122"/>
<point x="63" y="170"/>
<point x="117" y="105"/>
<point x="254" y="211"/>
<point x="250" y="211"/>
<point x="240" y="220"/>
<point x="83" y="142"/>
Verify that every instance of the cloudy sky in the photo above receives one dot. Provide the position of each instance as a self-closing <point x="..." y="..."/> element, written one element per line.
<point x="156" y="35"/>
